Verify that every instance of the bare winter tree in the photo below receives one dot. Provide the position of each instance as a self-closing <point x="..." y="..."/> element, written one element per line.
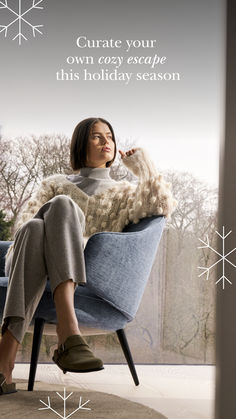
<point x="24" y="162"/>
<point x="190" y="316"/>
<point x="196" y="212"/>
<point x="18" y="170"/>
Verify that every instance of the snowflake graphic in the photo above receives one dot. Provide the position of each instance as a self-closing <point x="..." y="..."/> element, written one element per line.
<point x="223" y="258"/>
<point x="20" y="18"/>
<point x="64" y="398"/>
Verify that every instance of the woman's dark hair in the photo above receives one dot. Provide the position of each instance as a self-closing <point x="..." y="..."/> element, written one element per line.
<point x="79" y="141"/>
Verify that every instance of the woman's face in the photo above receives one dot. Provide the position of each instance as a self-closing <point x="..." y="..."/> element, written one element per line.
<point x="100" y="146"/>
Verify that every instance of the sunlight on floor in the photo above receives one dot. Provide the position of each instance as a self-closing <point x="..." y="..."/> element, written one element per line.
<point x="176" y="391"/>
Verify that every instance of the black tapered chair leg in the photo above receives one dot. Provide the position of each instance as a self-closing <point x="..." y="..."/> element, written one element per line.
<point x="125" y="347"/>
<point x="38" y="332"/>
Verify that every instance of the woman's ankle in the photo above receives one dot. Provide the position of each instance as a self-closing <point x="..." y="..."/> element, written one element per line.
<point x="6" y="369"/>
<point x="64" y="332"/>
<point x="8" y="350"/>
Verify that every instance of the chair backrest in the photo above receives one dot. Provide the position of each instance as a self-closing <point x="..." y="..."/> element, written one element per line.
<point x="118" y="265"/>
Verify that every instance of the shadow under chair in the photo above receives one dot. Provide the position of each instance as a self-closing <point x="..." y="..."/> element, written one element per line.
<point x="118" y="266"/>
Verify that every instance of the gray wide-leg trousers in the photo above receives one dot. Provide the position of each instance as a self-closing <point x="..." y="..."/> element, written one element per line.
<point x="49" y="246"/>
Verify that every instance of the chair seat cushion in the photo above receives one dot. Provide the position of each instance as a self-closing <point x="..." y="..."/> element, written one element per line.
<point x="91" y="311"/>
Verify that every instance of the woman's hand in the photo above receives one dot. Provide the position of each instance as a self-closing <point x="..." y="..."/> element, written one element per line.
<point x="127" y="153"/>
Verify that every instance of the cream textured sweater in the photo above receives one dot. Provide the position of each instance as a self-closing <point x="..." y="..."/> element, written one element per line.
<point x="113" y="208"/>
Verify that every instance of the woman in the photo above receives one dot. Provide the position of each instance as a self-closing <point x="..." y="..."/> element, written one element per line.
<point x="49" y="234"/>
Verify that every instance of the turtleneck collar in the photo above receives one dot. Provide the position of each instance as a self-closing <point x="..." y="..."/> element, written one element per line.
<point x="95" y="172"/>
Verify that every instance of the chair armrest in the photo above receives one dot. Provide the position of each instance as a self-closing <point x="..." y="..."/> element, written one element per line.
<point x="4" y="245"/>
<point x="118" y="264"/>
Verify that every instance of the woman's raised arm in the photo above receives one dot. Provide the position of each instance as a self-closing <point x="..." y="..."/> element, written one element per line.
<point x="152" y="195"/>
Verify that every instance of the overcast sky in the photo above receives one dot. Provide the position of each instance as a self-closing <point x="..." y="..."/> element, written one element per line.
<point x="179" y="122"/>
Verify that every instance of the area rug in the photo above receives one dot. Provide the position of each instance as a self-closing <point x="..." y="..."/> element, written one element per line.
<point x="65" y="402"/>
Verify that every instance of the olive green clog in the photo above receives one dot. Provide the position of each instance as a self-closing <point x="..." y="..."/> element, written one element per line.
<point x="76" y="356"/>
<point x="6" y="388"/>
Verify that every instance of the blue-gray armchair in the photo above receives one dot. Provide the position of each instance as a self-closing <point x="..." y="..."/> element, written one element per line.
<point x="118" y="266"/>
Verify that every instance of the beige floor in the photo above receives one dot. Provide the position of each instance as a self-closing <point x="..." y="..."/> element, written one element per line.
<point x="179" y="392"/>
